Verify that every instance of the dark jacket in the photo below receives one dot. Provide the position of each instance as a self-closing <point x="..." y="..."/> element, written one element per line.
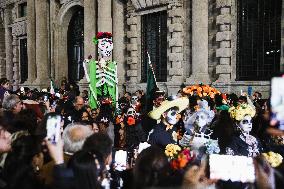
<point x="161" y="137"/>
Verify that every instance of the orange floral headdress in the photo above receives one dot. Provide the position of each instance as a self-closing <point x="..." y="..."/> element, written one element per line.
<point x="201" y="90"/>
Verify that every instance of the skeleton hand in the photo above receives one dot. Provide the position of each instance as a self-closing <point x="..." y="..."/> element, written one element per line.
<point x="185" y="141"/>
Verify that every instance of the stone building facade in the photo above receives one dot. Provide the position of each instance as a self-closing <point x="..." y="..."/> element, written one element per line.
<point x="37" y="42"/>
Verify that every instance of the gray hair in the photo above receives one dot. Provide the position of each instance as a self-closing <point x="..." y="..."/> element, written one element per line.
<point x="74" y="136"/>
<point x="10" y="101"/>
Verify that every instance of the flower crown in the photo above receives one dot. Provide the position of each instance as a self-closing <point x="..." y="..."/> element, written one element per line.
<point x="238" y="113"/>
<point x="178" y="157"/>
<point x="101" y="35"/>
<point x="201" y="90"/>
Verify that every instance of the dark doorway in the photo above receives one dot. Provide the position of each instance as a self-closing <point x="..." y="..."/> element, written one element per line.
<point x="76" y="46"/>
<point x="23" y="60"/>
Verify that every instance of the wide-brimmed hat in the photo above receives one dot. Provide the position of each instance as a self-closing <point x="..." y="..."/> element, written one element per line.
<point x="181" y="103"/>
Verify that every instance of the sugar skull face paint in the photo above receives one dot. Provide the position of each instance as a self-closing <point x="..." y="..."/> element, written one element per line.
<point x="105" y="46"/>
<point x="171" y="116"/>
<point x="246" y="124"/>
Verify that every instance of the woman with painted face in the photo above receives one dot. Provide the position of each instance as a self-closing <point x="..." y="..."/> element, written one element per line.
<point x="243" y="143"/>
<point x="164" y="133"/>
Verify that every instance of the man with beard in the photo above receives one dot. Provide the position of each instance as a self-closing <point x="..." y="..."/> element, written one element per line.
<point x="164" y="133"/>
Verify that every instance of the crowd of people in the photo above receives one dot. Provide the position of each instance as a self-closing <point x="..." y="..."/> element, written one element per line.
<point x="164" y="142"/>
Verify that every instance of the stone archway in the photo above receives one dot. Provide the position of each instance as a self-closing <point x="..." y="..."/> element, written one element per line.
<point x="61" y="36"/>
<point x="2" y="50"/>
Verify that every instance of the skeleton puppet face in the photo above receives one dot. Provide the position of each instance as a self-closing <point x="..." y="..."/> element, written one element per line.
<point x="246" y="124"/>
<point x="131" y="112"/>
<point x="134" y="100"/>
<point x="105" y="46"/>
<point x="201" y="119"/>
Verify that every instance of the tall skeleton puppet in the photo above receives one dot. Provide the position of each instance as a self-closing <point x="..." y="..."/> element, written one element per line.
<point x="103" y="73"/>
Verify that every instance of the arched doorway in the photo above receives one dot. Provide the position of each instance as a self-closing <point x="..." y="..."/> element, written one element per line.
<point x="75" y="43"/>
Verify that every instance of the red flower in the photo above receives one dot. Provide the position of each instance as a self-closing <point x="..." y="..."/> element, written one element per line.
<point x="130" y="121"/>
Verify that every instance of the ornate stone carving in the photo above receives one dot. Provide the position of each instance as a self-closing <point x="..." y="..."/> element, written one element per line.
<point x="19" y="28"/>
<point x="141" y="4"/>
<point x="64" y="1"/>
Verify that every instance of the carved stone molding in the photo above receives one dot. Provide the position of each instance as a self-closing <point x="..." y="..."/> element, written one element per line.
<point x="19" y="28"/>
<point x="142" y="4"/>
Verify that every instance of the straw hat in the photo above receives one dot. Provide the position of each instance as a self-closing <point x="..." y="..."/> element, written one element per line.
<point x="181" y="103"/>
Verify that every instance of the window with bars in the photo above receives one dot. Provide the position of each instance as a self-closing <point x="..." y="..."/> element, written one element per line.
<point x="259" y="39"/>
<point x="154" y="41"/>
<point x="23" y="60"/>
<point x="22" y="10"/>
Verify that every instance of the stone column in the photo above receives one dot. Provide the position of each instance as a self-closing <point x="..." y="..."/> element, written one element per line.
<point x="31" y="41"/>
<point x="16" y="67"/>
<point x="2" y="50"/>
<point x="104" y="16"/>
<point x="175" y="42"/>
<point x="118" y="41"/>
<point x="224" y="37"/>
<point x="41" y="42"/>
<point x="132" y="48"/>
<point x="282" y="39"/>
<point x="199" y="42"/>
<point x="90" y="27"/>
<point x="8" y="45"/>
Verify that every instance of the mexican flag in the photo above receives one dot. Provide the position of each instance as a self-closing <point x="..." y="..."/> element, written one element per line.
<point x="151" y="85"/>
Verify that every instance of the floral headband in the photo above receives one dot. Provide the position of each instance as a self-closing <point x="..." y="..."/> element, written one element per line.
<point x="238" y="113"/>
<point x="101" y="35"/>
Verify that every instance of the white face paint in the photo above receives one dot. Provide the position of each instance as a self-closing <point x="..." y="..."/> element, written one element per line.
<point x="246" y="124"/>
<point x="131" y="112"/>
<point x="201" y="119"/>
<point x="171" y="116"/>
<point x="105" y="46"/>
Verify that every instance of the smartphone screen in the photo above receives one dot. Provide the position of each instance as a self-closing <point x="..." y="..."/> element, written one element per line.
<point x="277" y="102"/>
<point x="45" y="98"/>
<point x="120" y="160"/>
<point x="53" y="126"/>
<point x="234" y="168"/>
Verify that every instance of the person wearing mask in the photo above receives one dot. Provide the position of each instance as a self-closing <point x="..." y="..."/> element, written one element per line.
<point x="164" y="132"/>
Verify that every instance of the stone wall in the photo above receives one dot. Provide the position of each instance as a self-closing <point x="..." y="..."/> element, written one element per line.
<point x="223" y="37"/>
<point x="176" y="26"/>
<point x="282" y="39"/>
<point x="212" y="43"/>
<point x="2" y="50"/>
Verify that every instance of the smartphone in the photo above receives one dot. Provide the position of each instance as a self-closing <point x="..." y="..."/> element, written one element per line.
<point x="45" y="98"/>
<point x="277" y="102"/>
<point x="234" y="168"/>
<point x="120" y="160"/>
<point x="53" y="127"/>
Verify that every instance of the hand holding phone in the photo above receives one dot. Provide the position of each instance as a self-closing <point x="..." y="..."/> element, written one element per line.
<point x="277" y="102"/>
<point x="53" y="127"/>
<point x="234" y="168"/>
